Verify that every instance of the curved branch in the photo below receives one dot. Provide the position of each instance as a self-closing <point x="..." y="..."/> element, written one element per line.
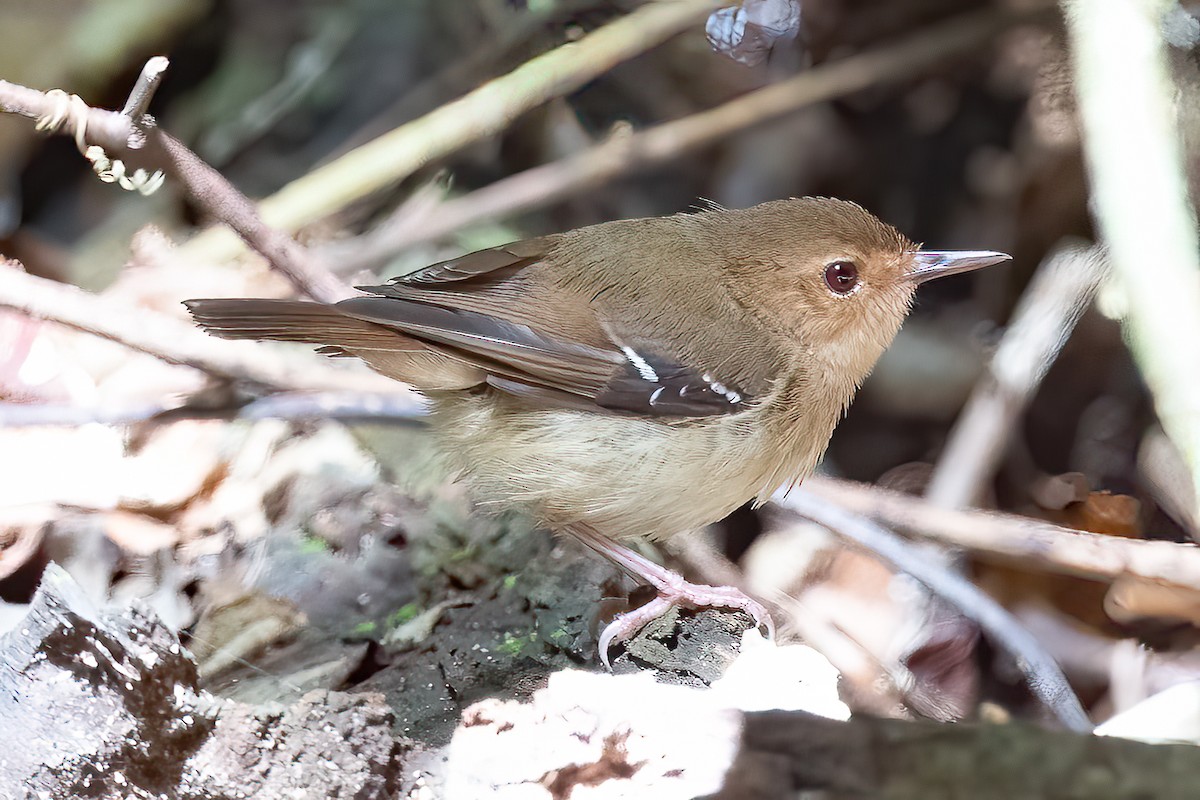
<point x="1042" y="673"/>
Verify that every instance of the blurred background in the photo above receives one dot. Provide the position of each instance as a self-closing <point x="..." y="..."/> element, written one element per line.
<point x="979" y="151"/>
<point x="981" y="148"/>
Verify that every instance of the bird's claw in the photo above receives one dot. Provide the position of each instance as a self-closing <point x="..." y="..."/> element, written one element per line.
<point x="678" y="593"/>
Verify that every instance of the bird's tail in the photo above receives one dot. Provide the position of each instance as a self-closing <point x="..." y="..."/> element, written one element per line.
<point x="386" y="350"/>
<point x="288" y="321"/>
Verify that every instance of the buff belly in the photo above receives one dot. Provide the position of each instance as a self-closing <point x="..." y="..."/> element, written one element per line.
<point x="622" y="476"/>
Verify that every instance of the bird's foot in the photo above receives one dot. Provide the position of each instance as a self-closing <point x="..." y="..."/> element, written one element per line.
<point x="675" y="592"/>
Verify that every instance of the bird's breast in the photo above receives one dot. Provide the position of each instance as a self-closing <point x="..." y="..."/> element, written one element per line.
<point x="624" y="476"/>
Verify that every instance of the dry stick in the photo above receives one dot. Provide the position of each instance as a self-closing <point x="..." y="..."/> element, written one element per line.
<point x="481" y="113"/>
<point x="1128" y="106"/>
<point x="1043" y="674"/>
<point x="24" y="415"/>
<point x="1050" y="307"/>
<point x="1166" y="475"/>
<point x="176" y="341"/>
<point x="1056" y="298"/>
<point x="698" y="556"/>
<point x="1052" y="304"/>
<point x="143" y="90"/>
<point x="544" y="184"/>
<point x="221" y="199"/>
<point x="114" y="132"/>
<point x="1011" y="538"/>
<point x="118" y="133"/>
<point x="390" y="408"/>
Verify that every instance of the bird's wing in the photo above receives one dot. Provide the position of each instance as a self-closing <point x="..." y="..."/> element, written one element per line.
<point x="490" y="308"/>
<point x="483" y="266"/>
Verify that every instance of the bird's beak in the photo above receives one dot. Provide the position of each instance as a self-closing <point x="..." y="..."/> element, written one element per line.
<point x="930" y="264"/>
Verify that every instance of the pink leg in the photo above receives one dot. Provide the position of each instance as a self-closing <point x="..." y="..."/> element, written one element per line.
<point x="673" y="591"/>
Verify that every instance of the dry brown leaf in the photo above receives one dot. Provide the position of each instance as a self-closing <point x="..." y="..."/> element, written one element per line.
<point x="1080" y="598"/>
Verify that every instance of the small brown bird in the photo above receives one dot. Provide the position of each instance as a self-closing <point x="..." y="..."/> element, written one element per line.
<point x="635" y="378"/>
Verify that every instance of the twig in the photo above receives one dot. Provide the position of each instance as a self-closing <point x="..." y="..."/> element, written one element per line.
<point x="399" y="408"/>
<point x="1140" y="198"/>
<point x="479" y="114"/>
<point x="405" y="408"/>
<point x="23" y="415"/>
<point x="1044" y="676"/>
<point x="851" y="658"/>
<point x="221" y="199"/>
<point x="1060" y="292"/>
<point x="176" y="341"/>
<point x="118" y="133"/>
<point x="1030" y="542"/>
<point x="110" y="130"/>
<point x="1167" y="477"/>
<point x="545" y="184"/>
<point x="145" y="87"/>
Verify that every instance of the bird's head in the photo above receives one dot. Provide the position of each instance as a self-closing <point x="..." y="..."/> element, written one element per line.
<point x="835" y="279"/>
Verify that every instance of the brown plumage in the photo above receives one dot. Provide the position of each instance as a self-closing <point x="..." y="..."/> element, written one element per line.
<point x="635" y="378"/>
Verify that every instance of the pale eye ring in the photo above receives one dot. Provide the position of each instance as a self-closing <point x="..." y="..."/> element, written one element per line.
<point x="841" y="277"/>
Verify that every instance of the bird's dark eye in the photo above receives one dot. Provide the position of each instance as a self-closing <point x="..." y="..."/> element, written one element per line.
<point x="841" y="277"/>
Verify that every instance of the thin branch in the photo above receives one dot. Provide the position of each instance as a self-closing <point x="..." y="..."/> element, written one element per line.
<point x="1010" y="538"/>
<point x="1043" y="674"/>
<point x="25" y="415"/>
<point x="849" y="656"/>
<point x="1056" y="298"/>
<point x="1127" y="103"/>
<point x="112" y="131"/>
<point x="483" y="112"/>
<point x="116" y="132"/>
<point x="145" y="87"/>
<point x="1167" y="477"/>
<point x="221" y="199"/>
<point x="620" y="155"/>
<point x="390" y="408"/>
<point x="176" y="341"/>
